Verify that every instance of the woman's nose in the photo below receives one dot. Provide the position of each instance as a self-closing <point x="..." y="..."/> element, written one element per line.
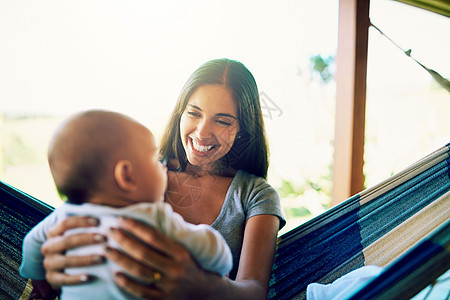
<point x="204" y="129"/>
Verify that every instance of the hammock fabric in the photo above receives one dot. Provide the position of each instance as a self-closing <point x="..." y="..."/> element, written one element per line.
<point x="374" y="227"/>
<point x="400" y="224"/>
<point x="19" y="212"/>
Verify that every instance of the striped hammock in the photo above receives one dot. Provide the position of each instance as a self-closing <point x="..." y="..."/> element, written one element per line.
<point x="401" y="224"/>
<point x="19" y="212"/>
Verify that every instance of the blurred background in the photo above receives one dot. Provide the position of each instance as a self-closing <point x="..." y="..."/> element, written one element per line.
<point x="60" y="57"/>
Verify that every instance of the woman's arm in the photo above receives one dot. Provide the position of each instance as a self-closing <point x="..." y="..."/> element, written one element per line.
<point x="258" y="252"/>
<point x="181" y="278"/>
<point x="56" y="261"/>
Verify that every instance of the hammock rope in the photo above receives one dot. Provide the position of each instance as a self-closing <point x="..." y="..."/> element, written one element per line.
<point x="444" y="82"/>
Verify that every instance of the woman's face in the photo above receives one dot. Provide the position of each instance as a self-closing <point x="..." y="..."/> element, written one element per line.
<point x="209" y="125"/>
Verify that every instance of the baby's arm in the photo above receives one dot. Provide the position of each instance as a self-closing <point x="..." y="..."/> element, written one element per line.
<point x="32" y="258"/>
<point x="206" y="245"/>
<point x="208" y="248"/>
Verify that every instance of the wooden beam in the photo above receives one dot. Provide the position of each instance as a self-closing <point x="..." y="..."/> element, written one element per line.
<point x="351" y="73"/>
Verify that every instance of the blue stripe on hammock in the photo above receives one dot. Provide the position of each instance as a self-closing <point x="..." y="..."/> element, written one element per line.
<point x="317" y="253"/>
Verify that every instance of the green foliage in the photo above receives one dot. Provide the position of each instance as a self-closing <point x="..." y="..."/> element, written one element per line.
<point x="322" y="66"/>
<point x="297" y="212"/>
<point x="288" y="188"/>
<point x="24" y="139"/>
<point x="302" y="201"/>
<point x="17" y="152"/>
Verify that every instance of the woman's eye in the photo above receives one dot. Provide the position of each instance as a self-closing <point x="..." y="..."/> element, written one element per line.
<point x="223" y="122"/>
<point x="193" y="113"/>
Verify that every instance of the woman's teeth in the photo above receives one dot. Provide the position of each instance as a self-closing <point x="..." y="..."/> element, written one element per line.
<point x="201" y="148"/>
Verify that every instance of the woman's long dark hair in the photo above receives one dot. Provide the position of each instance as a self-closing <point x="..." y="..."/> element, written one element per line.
<point x="249" y="151"/>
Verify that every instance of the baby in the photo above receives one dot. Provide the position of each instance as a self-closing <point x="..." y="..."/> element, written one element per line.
<point x="106" y="165"/>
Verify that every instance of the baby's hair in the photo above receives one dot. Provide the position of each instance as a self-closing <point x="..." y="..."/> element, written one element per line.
<point x="82" y="152"/>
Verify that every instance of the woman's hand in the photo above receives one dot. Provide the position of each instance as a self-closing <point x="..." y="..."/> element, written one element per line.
<point x="54" y="248"/>
<point x="164" y="267"/>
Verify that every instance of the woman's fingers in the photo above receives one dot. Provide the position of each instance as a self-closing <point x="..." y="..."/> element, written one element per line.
<point x="140" y="258"/>
<point x="70" y="223"/>
<point x="159" y="267"/>
<point x="154" y="249"/>
<point x="59" y="244"/>
<point x="144" y="291"/>
<point x="55" y="264"/>
<point x="59" y="262"/>
<point x="133" y="267"/>
<point x="59" y="279"/>
<point x="153" y="237"/>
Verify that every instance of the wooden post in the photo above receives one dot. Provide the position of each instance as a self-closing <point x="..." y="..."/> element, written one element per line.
<point x="351" y="62"/>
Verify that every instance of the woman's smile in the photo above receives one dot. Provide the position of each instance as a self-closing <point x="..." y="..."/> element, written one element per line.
<point x="202" y="148"/>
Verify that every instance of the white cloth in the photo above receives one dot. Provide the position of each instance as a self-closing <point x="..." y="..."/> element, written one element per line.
<point x="205" y="244"/>
<point x="344" y="286"/>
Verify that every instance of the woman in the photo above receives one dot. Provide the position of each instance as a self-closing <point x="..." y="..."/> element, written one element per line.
<point x="216" y="153"/>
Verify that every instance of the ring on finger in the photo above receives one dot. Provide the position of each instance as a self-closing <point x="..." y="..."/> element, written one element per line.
<point x="155" y="277"/>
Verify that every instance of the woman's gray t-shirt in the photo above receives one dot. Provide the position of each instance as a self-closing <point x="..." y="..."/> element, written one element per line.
<point x="247" y="196"/>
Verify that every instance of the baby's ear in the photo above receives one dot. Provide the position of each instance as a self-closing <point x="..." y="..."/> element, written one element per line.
<point x="124" y="177"/>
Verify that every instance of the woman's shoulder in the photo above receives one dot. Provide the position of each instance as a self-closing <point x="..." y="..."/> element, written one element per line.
<point x="251" y="183"/>
<point x="258" y="196"/>
<point x="246" y="177"/>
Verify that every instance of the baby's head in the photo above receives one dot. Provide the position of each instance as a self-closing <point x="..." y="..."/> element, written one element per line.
<point x="104" y="157"/>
